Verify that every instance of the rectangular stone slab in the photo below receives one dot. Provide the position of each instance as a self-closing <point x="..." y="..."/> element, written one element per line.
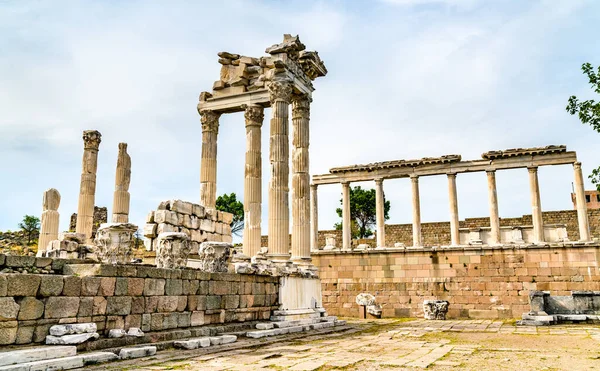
<point x="36" y="354"/>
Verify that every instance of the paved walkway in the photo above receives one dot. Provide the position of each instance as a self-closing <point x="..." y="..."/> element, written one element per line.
<point x="396" y="344"/>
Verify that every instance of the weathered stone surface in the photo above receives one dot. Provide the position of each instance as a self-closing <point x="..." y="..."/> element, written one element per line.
<point x="99" y="306"/>
<point x="365" y="299"/>
<point x="173" y="287"/>
<point x="107" y="286"/>
<point x="114" y="242"/>
<point x="118" y="305"/>
<point x="116" y="333"/>
<point x="35" y="354"/>
<point x="24" y="334"/>
<point x="172" y="250"/>
<point x="23" y="284"/>
<point x="135" y="331"/>
<point x="435" y="309"/>
<point x="154" y="287"/>
<point x="75" y="328"/>
<point x="31" y="308"/>
<point x="193" y="343"/>
<point x="61" y="307"/>
<point x="9" y="309"/>
<point x="3" y="288"/>
<point x="165" y="216"/>
<point x="98" y="357"/>
<point x="72" y="286"/>
<point x="150" y="230"/>
<point x="8" y="332"/>
<point x="214" y="256"/>
<point x="128" y="353"/>
<point x="71" y="339"/>
<point x="226" y="339"/>
<point x="51" y="285"/>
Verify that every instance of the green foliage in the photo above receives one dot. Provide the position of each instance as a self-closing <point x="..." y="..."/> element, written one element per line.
<point x="31" y="226"/>
<point x="588" y="110"/>
<point x="363" y="212"/>
<point x="230" y="204"/>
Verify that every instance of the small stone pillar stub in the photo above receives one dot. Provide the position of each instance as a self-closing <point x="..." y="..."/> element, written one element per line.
<point x="208" y="162"/>
<point x="280" y="93"/>
<point x="582" y="217"/>
<point x="254" y="116"/>
<point x="215" y="256"/>
<point x="122" y="179"/>
<point x="172" y="250"/>
<point x="87" y="190"/>
<point x="49" y="221"/>
<point x="114" y="243"/>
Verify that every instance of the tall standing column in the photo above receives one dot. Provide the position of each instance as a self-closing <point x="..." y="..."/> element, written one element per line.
<point x="49" y="221"/>
<point x="87" y="190"/>
<point x="453" y="201"/>
<point x="208" y="163"/>
<point x="582" y="217"/>
<point x="493" y="202"/>
<point x="279" y="211"/>
<point x="416" y="210"/>
<point x="253" y="180"/>
<point x="346" y="221"/>
<point x="314" y="218"/>
<point x="300" y="178"/>
<point x="122" y="180"/>
<point x="380" y="212"/>
<point x="536" y="205"/>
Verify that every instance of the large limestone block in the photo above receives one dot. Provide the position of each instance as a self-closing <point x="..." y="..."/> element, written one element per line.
<point x="31" y="309"/>
<point x="182" y="207"/>
<point x="61" y="307"/>
<point x="71" y="339"/>
<point x="207" y="225"/>
<point x="198" y="210"/>
<point x="68" y="246"/>
<point x="74" y="328"/>
<point x="9" y="309"/>
<point x="22" y="284"/>
<point x="150" y="230"/>
<point x="8" y="332"/>
<point x="166" y="216"/>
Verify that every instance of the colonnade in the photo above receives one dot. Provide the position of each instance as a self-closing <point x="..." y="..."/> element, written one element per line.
<point x="536" y="209"/>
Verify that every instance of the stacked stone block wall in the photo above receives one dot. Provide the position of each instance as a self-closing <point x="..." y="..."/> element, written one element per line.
<point x="125" y="296"/>
<point x="478" y="283"/>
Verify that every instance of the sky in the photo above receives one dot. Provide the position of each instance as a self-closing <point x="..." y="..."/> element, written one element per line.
<point x="407" y="79"/>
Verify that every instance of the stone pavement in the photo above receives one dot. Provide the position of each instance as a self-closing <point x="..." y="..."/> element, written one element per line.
<point x="399" y="344"/>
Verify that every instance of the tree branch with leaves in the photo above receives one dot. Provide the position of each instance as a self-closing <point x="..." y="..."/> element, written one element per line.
<point x="229" y="203"/>
<point x="363" y="212"/>
<point x="31" y="226"/>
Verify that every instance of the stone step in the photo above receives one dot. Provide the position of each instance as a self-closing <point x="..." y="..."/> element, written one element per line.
<point x="35" y="354"/>
<point x="137" y="352"/>
<point x="63" y="363"/>
<point x="204" y="342"/>
<point x="288" y="328"/>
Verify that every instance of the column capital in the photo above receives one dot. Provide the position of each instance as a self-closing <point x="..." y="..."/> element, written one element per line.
<point x="280" y="90"/>
<point x="314" y="187"/>
<point x="414" y="178"/>
<point x="210" y="121"/>
<point x="254" y="115"/>
<point x="490" y="171"/>
<point x="91" y="139"/>
<point x="532" y="169"/>
<point x="577" y="165"/>
<point x="345" y="183"/>
<point x="378" y="181"/>
<point x="451" y="175"/>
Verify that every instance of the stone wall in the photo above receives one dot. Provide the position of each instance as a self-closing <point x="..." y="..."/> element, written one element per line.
<point x="100" y="217"/>
<point x="438" y="233"/>
<point x="124" y="296"/>
<point x="478" y="282"/>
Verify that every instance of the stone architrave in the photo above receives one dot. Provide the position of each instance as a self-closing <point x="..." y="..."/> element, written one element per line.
<point x="87" y="190"/>
<point x="122" y="179"/>
<point x="435" y="309"/>
<point x="252" y="180"/>
<point x="49" y="221"/>
<point x="172" y="250"/>
<point x="280" y="92"/>
<point x="215" y="256"/>
<point x="208" y="163"/>
<point x="582" y="216"/>
<point x="314" y="218"/>
<point x="536" y="205"/>
<point x="300" y="179"/>
<point x="114" y="242"/>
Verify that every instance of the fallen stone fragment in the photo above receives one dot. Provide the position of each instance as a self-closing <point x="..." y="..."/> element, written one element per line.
<point x="116" y="333"/>
<point x="264" y="326"/>
<point x="135" y="331"/>
<point x="76" y="328"/>
<point x="70" y="339"/>
<point x="193" y="343"/>
<point x="128" y="353"/>
<point x="216" y="340"/>
<point x="98" y="357"/>
<point x="226" y="339"/>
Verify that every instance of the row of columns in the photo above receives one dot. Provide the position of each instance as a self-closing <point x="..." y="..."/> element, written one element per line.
<point x="536" y="209"/>
<point x="281" y="97"/>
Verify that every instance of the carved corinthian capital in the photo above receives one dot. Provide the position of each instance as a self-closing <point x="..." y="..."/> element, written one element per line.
<point x="254" y="115"/>
<point x="91" y="139"/>
<point x="280" y="90"/>
<point x="301" y="106"/>
<point x="210" y="121"/>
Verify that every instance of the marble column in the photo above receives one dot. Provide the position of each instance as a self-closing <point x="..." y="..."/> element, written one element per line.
<point x="87" y="190"/>
<point x="208" y="163"/>
<point x="582" y="217"/>
<point x="314" y="218"/>
<point x="49" y="220"/>
<point x="493" y="204"/>
<point x="122" y="179"/>
<point x="380" y="212"/>
<point x="252" y="180"/>
<point x="416" y="211"/>
<point x="536" y="205"/>
<point x="300" y="178"/>
<point x="453" y="201"/>
<point x="346" y="220"/>
<point x="280" y="93"/>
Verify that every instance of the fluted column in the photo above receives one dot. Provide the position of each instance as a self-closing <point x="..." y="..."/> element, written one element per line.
<point x="314" y="218"/>
<point x="346" y="221"/>
<point x="453" y="201"/>
<point x="49" y="220"/>
<point x="122" y="180"/>
<point x="380" y="212"/>
<point x="536" y="205"/>
<point x="416" y="211"/>
<point x="87" y="190"/>
<point x="300" y="178"/>
<point x="493" y="204"/>
<point x="252" y="180"/>
<point x="582" y="217"/>
<point x="208" y="163"/>
<point x="279" y="210"/>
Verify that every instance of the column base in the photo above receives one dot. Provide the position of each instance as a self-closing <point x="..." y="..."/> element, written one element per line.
<point x="278" y="258"/>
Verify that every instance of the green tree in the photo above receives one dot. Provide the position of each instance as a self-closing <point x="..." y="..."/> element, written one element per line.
<point x="31" y="226"/>
<point x="363" y="212"/>
<point x="230" y="204"/>
<point x="588" y="110"/>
